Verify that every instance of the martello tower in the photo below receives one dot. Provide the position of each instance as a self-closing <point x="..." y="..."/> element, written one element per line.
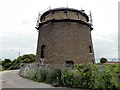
<point x="64" y="37"/>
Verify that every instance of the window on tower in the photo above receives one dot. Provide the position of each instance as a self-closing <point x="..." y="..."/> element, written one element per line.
<point x="42" y="51"/>
<point x="77" y="15"/>
<point x="66" y="13"/>
<point x="69" y="64"/>
<point x="90" y="49"/>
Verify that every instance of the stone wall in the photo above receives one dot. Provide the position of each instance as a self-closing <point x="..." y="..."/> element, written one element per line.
<point x="65" y="41"/>
<point x="63" y="15"/>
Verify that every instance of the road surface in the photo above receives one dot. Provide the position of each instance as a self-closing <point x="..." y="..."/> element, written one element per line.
<point x="11" y="79"/>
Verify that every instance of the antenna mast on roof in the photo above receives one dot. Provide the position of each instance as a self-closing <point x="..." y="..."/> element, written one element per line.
<point x="91" y="21"/>
<point x="38" y="20"/>
<point x="82" y="10"/>
<point x="49" y="7"/>
<point x="67" y="4"/>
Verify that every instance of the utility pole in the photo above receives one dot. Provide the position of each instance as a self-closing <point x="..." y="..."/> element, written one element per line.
<point x="18" y="54"/>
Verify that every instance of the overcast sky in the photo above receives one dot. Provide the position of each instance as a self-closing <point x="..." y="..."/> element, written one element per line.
<point x="18" y="20"/>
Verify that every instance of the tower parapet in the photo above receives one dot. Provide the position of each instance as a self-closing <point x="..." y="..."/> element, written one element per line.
<point x="64" y="14"/>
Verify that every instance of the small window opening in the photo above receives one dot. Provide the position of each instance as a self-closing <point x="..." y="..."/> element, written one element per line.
<point x="53" y="14"/>
<point x="42" y="51"/>
<point x="69" y="64"/>
<point x="90" y="49"/>
<point x="77" y="15"/>
<point x="66" y="13"/>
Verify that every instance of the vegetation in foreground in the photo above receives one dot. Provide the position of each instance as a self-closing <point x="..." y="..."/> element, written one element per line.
<point x="8" y="64"/>
<point x="83" y="76"/>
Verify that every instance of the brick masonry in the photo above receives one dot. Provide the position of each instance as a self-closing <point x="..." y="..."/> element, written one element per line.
<point x="65" y="41"/>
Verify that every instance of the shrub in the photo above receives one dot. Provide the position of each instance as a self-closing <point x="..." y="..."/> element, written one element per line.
<point x="26" y="60"/>
<point x="54" y="77"/>
<point x="91" y="77"/>
<point x="67" y="78"/>
<point x="7" y="65"/>
<point x="83" y="76"/>
<point x="34" y="77"/>
<point x="43" y="75"/>
<point x="86" y="75"/>
<point x="103" y="60"/>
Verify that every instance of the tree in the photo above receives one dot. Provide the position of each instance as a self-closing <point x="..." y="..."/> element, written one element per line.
<point x="15" y="64"/>
<point x="26" y="60"/>
<point x="29" y="57"/>
<point x="103" y="60"/>
<point x="6" y="63"/>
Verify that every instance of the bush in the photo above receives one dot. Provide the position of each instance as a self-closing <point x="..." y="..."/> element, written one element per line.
<point x="86" y="74"/>
<point x="6" y="61"/>
<point x="103" y="60"/>
<point x="1" y="68"/>
<point x="26" y="60"/>
<point x="43" y="75"/>
<point x="15" y="64"/>
<point x="83" y="76"/>
<point x="67" y="78"/>
<point x="54" y="77"/>
<point x="91" y="77"/>
<point x="7" y="65"/>
<point x="35" y="77"/>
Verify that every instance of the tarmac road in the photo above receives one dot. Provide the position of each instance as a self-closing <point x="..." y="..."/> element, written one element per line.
<point x="11" y="79"/>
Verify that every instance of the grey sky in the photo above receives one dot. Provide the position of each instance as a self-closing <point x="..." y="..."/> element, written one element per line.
<point x="18" y="17"/>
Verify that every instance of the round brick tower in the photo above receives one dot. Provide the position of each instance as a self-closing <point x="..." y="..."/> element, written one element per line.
<point x="64" y="37"/>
